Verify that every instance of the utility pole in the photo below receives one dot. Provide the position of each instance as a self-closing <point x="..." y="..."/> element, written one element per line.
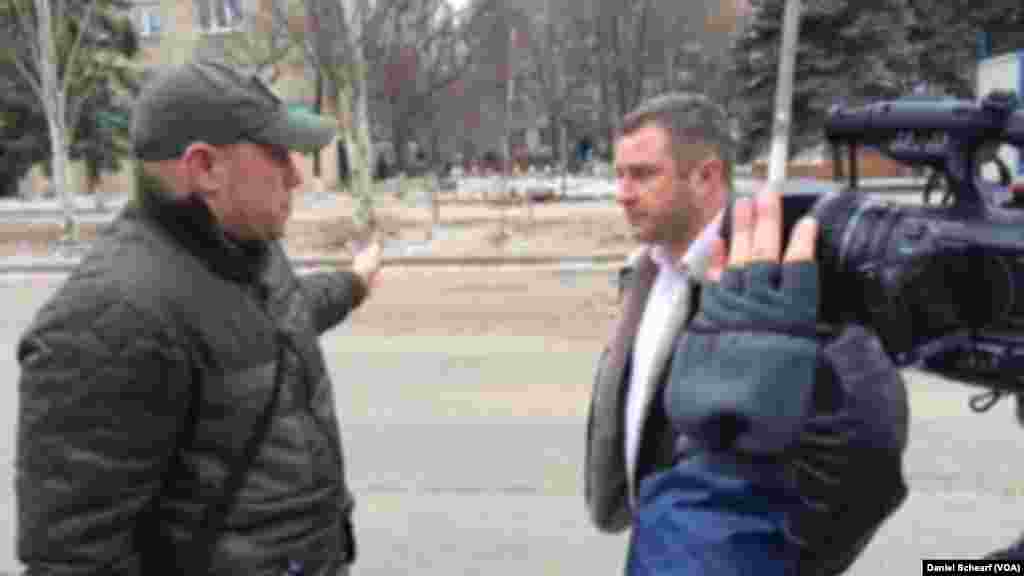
<point x="784" y="93"/>
<point x="506" y="161"/>
<point x="560" y="136"/>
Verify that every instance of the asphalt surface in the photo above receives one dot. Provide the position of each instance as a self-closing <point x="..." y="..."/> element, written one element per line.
<point x="465" y="447"/>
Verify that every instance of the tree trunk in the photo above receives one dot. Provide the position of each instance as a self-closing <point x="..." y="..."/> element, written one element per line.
<point x="435" y="143"/>
<point x="435" y="180"/>
<point x="400" y="134"/>
<point x="318" y="101"/>
<point x="564" y="151"/>
<point x="551" y="136"/>
<point x="353" y="116"/>
<point x="62" y="179"/>
<point x="355" y="127"/>
<point x="54" y="103"/>
<point x="604" y="81"/>
<point x="638" y="70"/>
<point x="621" y="75"/>
<point x="669" y="78"/>
<point x="357" y="142"/>
<point x="94" y="178"/>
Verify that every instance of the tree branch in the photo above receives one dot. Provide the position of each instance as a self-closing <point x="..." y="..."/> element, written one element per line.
<point x="639" y="53"/>
<point x="25" y="24"/>
<point x="69" y="64"/>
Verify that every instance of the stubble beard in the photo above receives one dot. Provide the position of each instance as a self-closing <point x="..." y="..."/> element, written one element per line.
<point x="678" y="230"/>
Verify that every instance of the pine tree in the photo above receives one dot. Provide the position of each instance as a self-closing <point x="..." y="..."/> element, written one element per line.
<point x="853" y="51"/>
<point x="945" y="34"/>
<point x="849" y="51"/>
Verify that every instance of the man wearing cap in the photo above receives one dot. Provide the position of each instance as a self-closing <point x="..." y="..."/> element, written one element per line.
<point x="176" y="415"/>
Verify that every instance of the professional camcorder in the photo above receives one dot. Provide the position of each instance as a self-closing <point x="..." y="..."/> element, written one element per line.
<point x="943" y="286"/>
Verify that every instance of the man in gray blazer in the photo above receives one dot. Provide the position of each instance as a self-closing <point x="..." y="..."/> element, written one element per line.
<point x="673" y="163"/>
<point x="673" y="160"/>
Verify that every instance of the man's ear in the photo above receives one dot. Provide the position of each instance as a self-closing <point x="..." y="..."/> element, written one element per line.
<point x="204" y="167"/>
<point x="711" y="170"/>
<point x="709" y="177"/>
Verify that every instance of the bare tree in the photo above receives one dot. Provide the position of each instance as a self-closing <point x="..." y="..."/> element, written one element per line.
<point x="635" y="49"/>
<point x="622" y="35"/>
<point x="348" y="43"/>
<point x="330" y="36"/>
<point x="561" y="68"/>
<point x="336" y="47"/>
<point x="51" y="73"/>
<point x="419" y="54"/>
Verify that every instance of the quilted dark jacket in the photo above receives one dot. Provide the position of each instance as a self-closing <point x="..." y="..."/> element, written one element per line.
<point x="146" y="373"/>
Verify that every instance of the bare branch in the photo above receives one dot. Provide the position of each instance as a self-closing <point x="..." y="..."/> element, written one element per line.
<point x="28" y="27"/>
<point x="639" y="51"/>
<point x="26" y="73"/>
<point x="71" y="114"/>
<point x="311" y="10"/>
<point x="83" y="29"/>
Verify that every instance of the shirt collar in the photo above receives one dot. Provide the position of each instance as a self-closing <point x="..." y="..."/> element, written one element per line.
<point x="697" y="257"/>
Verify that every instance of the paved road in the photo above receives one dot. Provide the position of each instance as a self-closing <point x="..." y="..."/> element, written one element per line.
<point x="465" y="451"/>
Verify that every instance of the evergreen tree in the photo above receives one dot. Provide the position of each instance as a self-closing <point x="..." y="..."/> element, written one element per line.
<point x="853" y="51"/>
<point x="945" y="37"/>
<point x="849" y="51"/>
<point x="23" y="136"/>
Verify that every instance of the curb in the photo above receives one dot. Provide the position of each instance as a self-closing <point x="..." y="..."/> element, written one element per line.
<point x="307" y="263"/>
<point x="471" y="261"/>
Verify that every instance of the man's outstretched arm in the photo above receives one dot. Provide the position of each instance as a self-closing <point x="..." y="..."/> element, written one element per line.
<point x="334" y="295"/>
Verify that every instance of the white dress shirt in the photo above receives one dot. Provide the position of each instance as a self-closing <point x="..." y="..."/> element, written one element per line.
<point x="671" y="289"/>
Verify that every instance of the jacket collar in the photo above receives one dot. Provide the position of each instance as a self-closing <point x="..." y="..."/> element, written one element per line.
<point x="191" y="224"/>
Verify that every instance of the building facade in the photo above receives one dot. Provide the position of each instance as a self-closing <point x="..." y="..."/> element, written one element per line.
<point x="173" y="31"/>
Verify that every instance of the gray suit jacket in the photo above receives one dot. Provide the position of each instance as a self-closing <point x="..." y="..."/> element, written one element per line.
<point x="606" y="487"/>
<point x="850" y="473"/>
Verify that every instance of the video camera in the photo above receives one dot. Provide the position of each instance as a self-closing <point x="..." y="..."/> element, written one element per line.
<point x="943" y="287"/>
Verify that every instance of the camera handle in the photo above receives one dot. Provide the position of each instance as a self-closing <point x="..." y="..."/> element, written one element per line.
<point x="959" y="167"/>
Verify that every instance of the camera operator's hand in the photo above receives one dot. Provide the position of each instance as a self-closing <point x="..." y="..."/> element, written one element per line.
<point x="757" y="237"/>
<point x="742" y="377"/>
<point x="753" y="376"/>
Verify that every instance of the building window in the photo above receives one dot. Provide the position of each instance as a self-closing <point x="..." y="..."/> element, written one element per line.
<point x="146" y="18"/>
<point x="219" y="16"/>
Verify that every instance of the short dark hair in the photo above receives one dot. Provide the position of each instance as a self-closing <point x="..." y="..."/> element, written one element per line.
<point x="689" y="118"/>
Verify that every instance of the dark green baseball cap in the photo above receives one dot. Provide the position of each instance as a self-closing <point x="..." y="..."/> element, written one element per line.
<point x="210" y="101"/>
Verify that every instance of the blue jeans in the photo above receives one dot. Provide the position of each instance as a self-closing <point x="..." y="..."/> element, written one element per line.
<point x="708" y="516"/>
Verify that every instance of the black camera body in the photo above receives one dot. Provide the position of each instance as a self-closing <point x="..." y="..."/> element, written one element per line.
<point x="943" y="287"/>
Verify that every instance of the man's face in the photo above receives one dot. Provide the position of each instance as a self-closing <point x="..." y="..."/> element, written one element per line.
<point x="256" y="199"/>
<point x="660" y="200"/>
